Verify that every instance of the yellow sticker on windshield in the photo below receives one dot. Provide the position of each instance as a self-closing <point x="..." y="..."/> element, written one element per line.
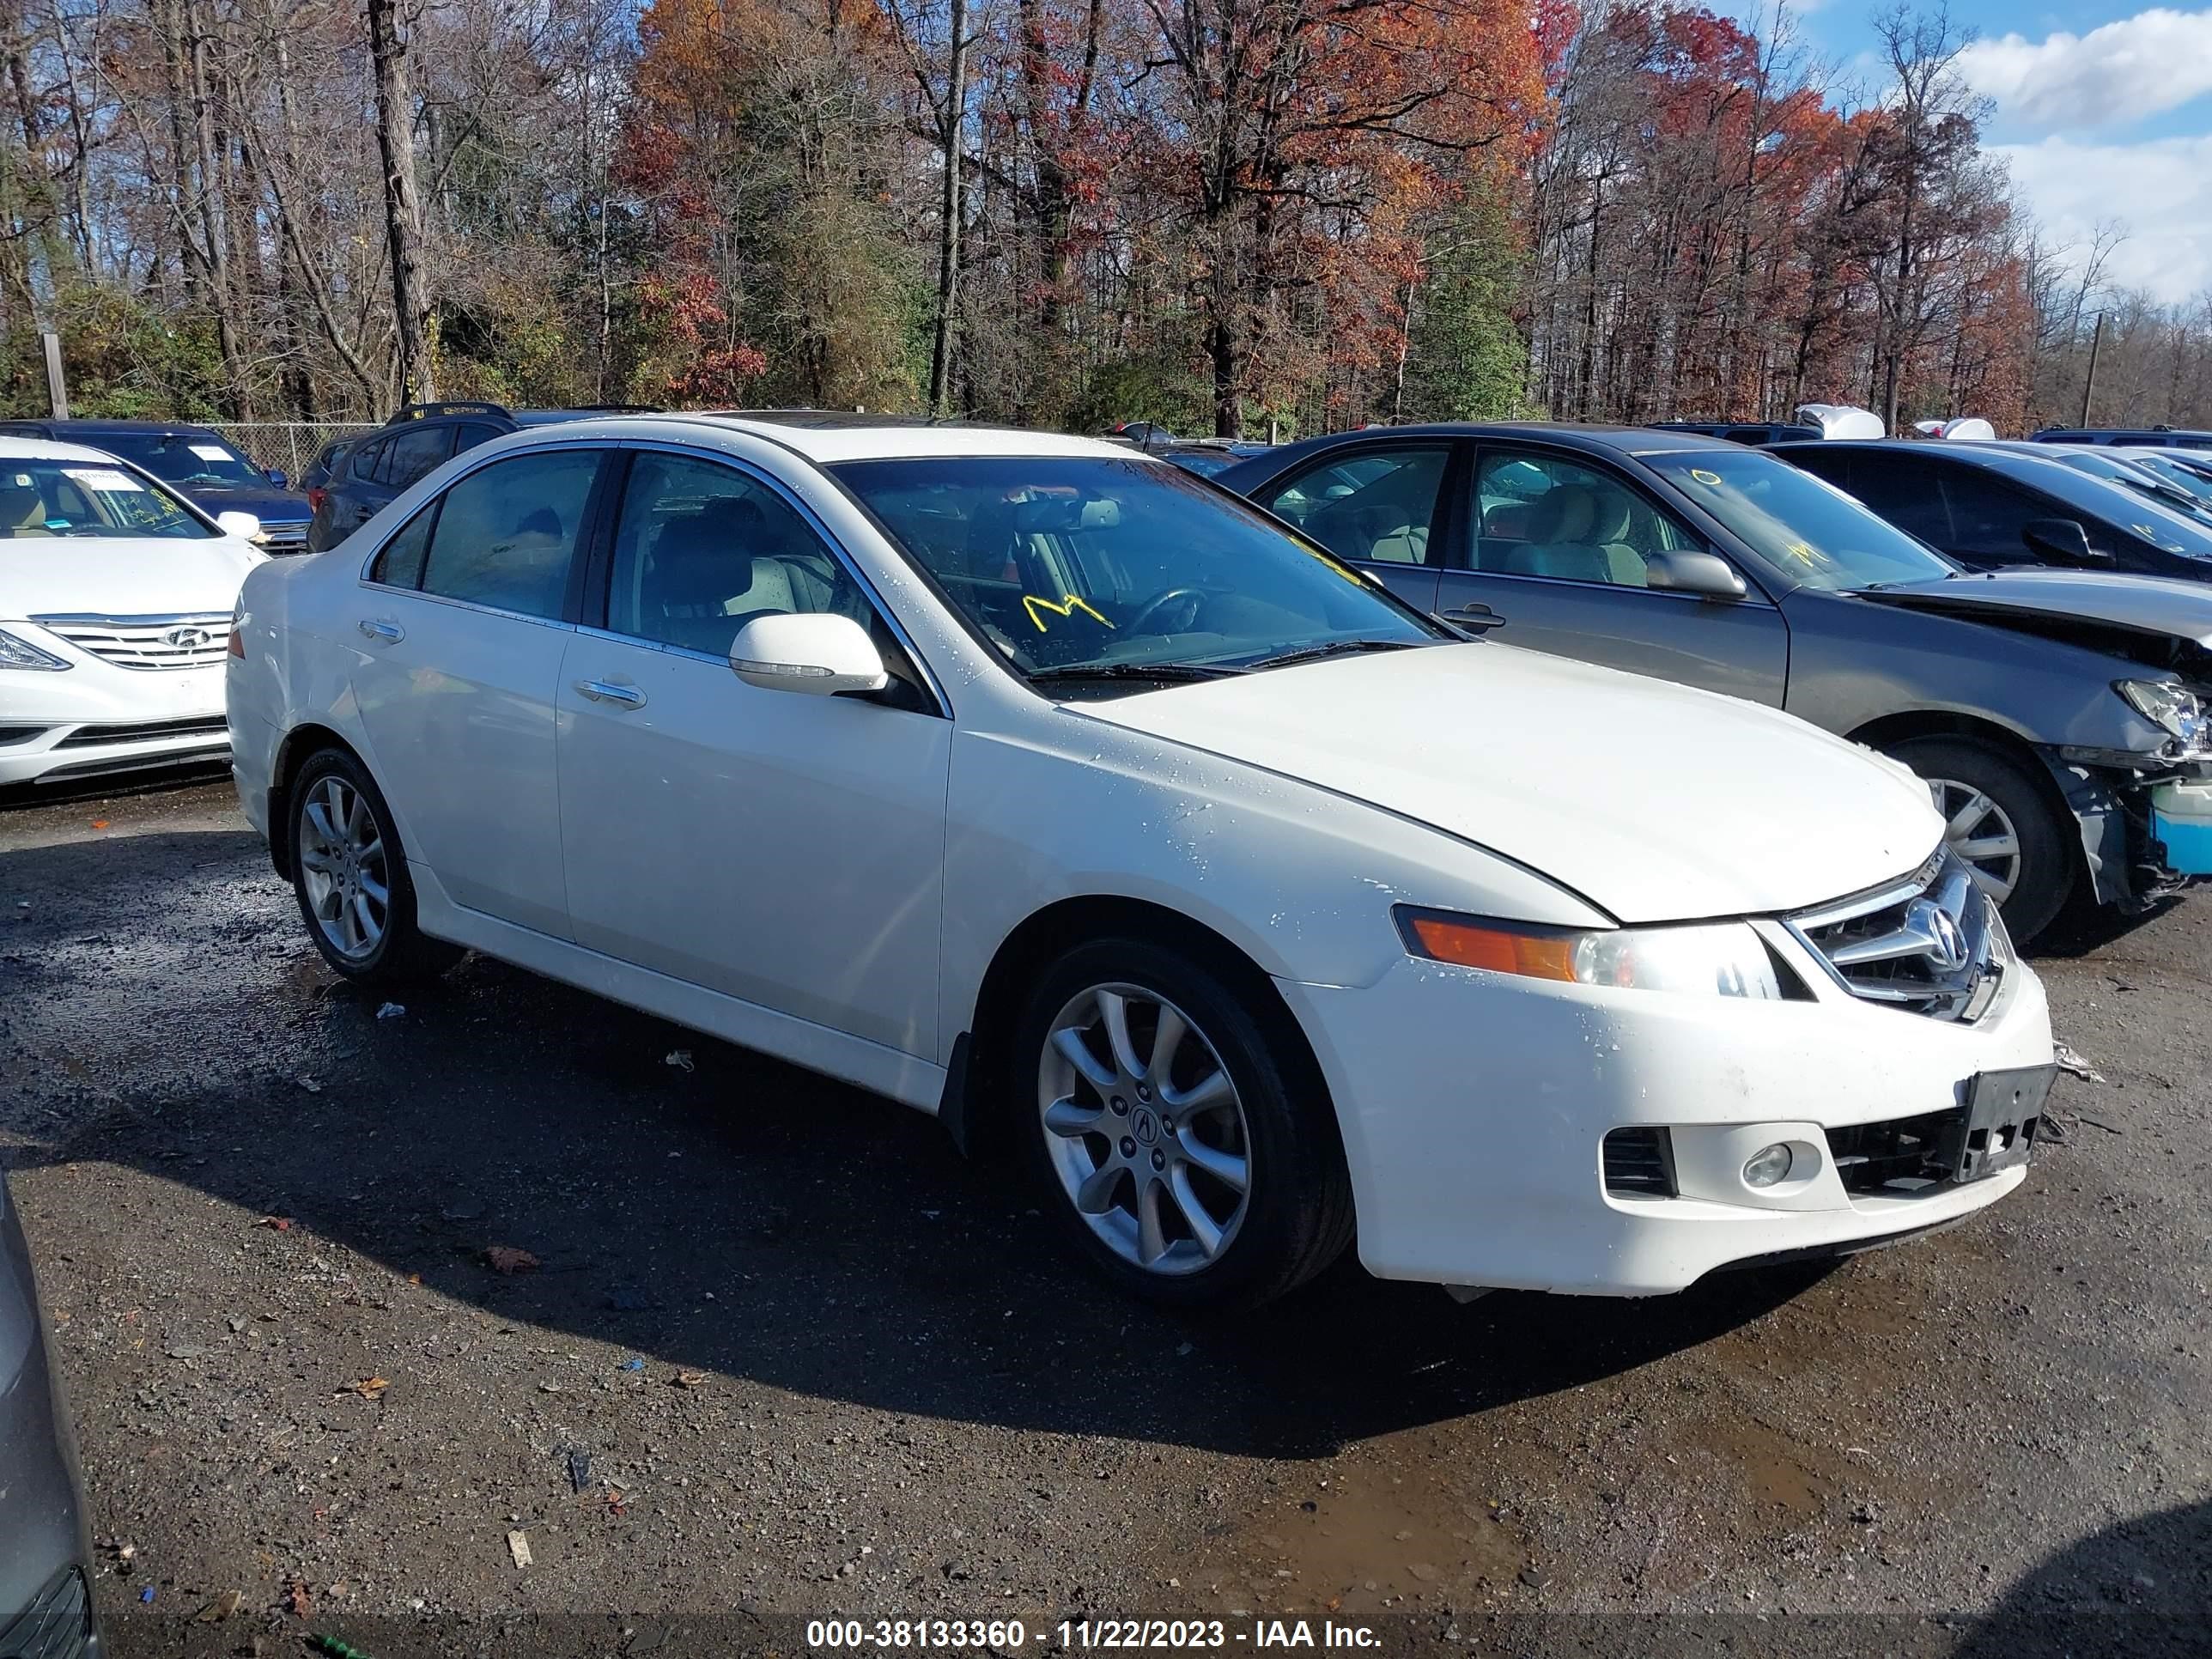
<point x="1704" y="476"/>
<point x="1033" y="604"/>
<point x="1802" y="551"/>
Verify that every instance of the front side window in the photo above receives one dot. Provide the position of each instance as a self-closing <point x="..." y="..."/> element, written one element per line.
<point x="183" y="458"/>
<point x="1804" y="525"/>
<point x="1098" y="568"/>
<point x="41" y="499"/>
<point x="1379" y="504"/>
<point x="702" y="548"/>
<point x="505" y="536"/>
<point x="1541" y="515"/>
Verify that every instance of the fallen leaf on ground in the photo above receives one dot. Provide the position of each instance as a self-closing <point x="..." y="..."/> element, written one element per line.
<point x="297" y="1600"/>
<point x="414" y="1278"/>
<point x="221" y="1607"/>
<point x="282" y="1224"/>
<point x="99" y="823"/>
<point x="505" y="1259"/>
<point x="688" y="1379"/>
<point x="370" y="1388"/>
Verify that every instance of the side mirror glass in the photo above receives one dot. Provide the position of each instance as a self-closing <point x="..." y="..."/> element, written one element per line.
<point x="2061" y="541"/>
<point x="1706" y="574"/>
<point x="823" y="654"/>
<point x="244" y="525"/>
<point x="276" y="477"/>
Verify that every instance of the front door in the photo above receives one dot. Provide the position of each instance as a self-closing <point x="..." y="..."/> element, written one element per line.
<point x="1557" y="563"/>
<point x="784" y="848"/>
<point x="457" y="637"/>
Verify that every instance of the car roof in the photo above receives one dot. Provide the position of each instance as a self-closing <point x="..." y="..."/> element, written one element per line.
<point x="831" y="436"/>
<point x="120" y="429"/>
<point x="1571" y="434"/>
<point x="50" y="449"/>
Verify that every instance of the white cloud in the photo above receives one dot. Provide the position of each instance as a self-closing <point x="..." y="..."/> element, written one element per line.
<point x="2156" y="60"/>
<point x="2160" y="189"/>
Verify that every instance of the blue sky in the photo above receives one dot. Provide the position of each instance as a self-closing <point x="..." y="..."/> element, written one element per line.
<point x="2103" y="111"/>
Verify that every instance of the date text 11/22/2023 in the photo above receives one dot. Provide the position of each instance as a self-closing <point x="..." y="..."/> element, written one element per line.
<point x="1009" y="1636"/>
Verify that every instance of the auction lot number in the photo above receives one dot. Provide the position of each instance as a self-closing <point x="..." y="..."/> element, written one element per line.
<point x="1001" y="1633"/>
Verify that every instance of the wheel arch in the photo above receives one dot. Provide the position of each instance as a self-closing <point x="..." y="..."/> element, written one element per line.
<point x="1893" y="729"/>
<point x="977" y="1107"/>
<point x="299" y="745"/>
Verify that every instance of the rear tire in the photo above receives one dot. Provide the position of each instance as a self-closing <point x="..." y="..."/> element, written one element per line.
<point x="1203" y="1171"/>
<point x="2000" y="822"/>
<point x="349" y="875"/>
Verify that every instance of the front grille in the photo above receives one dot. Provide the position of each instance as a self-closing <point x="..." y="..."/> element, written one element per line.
<point x="278" y="539"/>
<point x="58" y="1624"/>
<point x="87" y="736"/>
<point x="1899" y="1158"/>
<point x="1930" y="943"/>
<point x="1639" y="1163"/>
<point x="18" y="734"/>
<point x="195" y="640"/>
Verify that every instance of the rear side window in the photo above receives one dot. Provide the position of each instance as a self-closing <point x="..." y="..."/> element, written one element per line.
<point x="473" y="433"/>
<point x="415" y="453"/>
<point x="368" y="457"/>
<point x="506" y="535"/>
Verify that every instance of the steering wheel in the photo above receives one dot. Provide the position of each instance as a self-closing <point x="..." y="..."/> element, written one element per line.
<point x="1161" y="601"/>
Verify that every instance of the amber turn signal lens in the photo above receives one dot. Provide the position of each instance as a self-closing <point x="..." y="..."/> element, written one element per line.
<point x="1474" y="944"/>
<point x="237" y="645"/>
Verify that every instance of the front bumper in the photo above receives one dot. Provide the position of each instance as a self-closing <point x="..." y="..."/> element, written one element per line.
<point x="1475" y="1105"/>
<point x="94" y="719"/>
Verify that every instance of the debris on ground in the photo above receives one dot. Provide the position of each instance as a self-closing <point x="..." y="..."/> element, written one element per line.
<point x="146" y="1594"/>
<point x="311" y="1086"/>
<point x="680" y="1058"/>
<point x="518" y="1546"/>
<point x="297" y="1601"/>
<point x="392" y="1010"/>
<point x="334" y="1648"/>
<point x="221" y="1607"/>
<point x="280" y="1223"/>
<point x="369" y="1387"/>
<point x="2071" y="1061"/>
<point x="633" y="1364"/>
<point x="688" y="1379"/>
<point x="579" y="1470"/>
<point x="506" y="1259"/>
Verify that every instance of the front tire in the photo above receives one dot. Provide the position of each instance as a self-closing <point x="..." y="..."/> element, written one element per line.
<point x="1997" y="820"/>
<point x="1177" y="1127"/>
<point x="349" y="874"/>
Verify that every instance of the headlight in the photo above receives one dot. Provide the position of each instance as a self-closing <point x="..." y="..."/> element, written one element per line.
<point x="2173" y="708"/>
<point x="1725" y="959"/>
<point x="21" y="653"/>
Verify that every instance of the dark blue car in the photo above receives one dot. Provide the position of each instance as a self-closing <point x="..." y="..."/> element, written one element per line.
<point x="199" y="464"/>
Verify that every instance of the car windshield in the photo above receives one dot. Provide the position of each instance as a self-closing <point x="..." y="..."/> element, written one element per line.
<point x="43" y="499"/>
<point x="183" y="458"/>
<point x="1803" y="525"/>
<point x="2173" y="529"/>
<point x="2135" y="474"/>
<point x="1112" y="570"/>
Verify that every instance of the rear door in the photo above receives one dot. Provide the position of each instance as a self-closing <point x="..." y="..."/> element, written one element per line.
<point x="458" y="629"/>
<point x="1381" y="505"/>
<point x="1559" y="564"/>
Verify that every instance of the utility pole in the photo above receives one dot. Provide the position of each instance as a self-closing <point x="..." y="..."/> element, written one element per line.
<point x="2089" y="383"/>
<point x="57" y="388"/>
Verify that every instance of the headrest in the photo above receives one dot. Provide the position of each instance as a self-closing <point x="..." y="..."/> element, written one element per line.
<point x="1565" y="513"/>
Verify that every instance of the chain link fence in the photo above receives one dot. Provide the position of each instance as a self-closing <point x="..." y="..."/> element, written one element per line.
<point x="287" y="445"/>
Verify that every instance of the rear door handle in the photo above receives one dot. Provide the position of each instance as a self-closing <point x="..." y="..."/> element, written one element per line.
<point x="1472" y="615"/>
<point x="626" y="696"/>
<point x="384" y="633"/>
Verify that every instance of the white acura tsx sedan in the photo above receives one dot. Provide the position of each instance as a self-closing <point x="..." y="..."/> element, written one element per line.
<point x="1042" y="786"/>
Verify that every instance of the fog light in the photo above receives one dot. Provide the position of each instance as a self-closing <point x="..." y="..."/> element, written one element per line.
<point x="1767" y="1166"/>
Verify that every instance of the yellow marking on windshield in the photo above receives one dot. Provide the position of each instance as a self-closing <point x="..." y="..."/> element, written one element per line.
<point x="1033" y="604"/>
<point x="1705" y="477"/>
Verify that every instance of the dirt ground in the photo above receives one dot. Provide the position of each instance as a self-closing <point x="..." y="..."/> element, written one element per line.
<point x="787" y="1357"/>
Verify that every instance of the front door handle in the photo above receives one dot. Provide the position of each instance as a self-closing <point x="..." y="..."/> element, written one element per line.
<point x="626" y="696"/>
<point x="1472" y="615"/>
<point x="384" y="633"/>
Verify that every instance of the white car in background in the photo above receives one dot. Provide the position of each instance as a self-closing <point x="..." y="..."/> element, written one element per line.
<point x="1042" y="786"/>
<point x="115" y="601"/>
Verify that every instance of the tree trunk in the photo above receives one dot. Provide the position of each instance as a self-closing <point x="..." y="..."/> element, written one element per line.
<point x="953" y="205"/>
<point x="403" y="208"/>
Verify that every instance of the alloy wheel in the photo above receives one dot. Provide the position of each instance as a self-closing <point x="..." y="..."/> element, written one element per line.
<point x="1144" y="1128"/>
<point x="342" y="866"/>
<point x="1980" y="832"/>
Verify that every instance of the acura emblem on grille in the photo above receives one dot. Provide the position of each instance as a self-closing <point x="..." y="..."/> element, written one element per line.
<point x="187" y="639"/>
<point x="1946" y="946"/>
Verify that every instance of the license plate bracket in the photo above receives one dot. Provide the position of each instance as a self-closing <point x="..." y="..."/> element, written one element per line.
<point x="2004" y="1120"/>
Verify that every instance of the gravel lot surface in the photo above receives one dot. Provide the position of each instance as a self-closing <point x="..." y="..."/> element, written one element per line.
<point x="785" y="1355"/>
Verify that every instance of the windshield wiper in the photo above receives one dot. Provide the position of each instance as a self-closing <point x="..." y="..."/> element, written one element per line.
<point x="1176" y="672"/>
<point x="1333" y="648"/>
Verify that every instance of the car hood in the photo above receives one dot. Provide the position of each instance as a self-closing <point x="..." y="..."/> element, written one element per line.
<point x="1653" y="801"/>
<point x="120" y="576"/>
<point x="2160" y="605"/>
<point x="266" y="502"/>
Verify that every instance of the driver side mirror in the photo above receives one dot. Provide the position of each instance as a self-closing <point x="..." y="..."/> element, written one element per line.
<point x="276" y="476"/>
<point x="244" y="525"/>
<point x="823" y="654"/>
<point x="2061" y="541"/>
<point x="1706" y="574"/>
